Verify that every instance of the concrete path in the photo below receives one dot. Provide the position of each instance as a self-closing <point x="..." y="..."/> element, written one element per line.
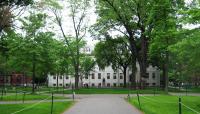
<point x="102" y="104"/>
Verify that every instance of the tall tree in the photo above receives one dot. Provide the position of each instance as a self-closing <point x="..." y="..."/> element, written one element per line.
<point x="136" y="19"/>
<point x="78" y="14"/>
<point x="32" y="26"/>
<point x="8" y="12"/>
<point x="117" y="54"/>
<point x="87" y="64"/>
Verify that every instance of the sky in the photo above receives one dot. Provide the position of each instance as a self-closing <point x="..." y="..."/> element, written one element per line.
<point x="90" y="19"/>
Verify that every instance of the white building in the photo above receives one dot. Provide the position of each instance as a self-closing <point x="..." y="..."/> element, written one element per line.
<point x="105" y="78"/>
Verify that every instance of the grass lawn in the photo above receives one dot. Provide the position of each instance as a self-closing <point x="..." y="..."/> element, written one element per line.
<point x="111" y="91"/>
<point x="183" y="90"/>
<point x="19" y="97"/>
<point x="166" y="104"/>
<point x="28" y="89"/>
<point x="42" y="108"/>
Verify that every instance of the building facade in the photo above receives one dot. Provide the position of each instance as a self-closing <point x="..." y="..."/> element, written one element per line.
<point x="105" y="78"/>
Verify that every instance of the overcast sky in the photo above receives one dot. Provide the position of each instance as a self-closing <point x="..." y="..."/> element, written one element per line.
<point x="90" y="20"/>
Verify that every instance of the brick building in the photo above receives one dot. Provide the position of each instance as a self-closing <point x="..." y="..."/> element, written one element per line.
<point x="15" y="79"/>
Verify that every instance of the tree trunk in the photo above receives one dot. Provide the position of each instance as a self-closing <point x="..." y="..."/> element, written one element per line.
<point x="164" y="75"/>
<point x="76" y="77"/>
<point x="133" y="77"/>
<point x="33" y="75"/>
<point x="124" y="72"/>
<point x="57" y="82"/>
<point x="143" y="60"/>
<point x="166" y="72"/>
<point x="77" y="64"/>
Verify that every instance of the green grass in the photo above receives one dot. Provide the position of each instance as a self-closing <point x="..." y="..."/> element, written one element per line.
<point x="42" y="108"/>
<point x="183" y="90"/>
<point x="28" y="89"/>
<point x="13" y="97"/>
<point x="166" y="104"/>
<point x="111" y="91"/>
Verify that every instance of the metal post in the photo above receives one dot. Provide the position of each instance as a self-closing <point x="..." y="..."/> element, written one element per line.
<point x="16" y="95"/>
<point x="52" y="104"/>
<point x="24" y="96"/>
<point x="5" y="91"/>
<point x="2" y="94"/>
<point x="128" y="91"/>
<point x="73" y="92"/>
<point x="186" y="90"/>
<point x="180" y="110"/>
<point x="138" y="100"/>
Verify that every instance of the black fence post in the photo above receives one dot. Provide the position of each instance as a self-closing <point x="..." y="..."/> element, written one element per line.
<point x="139" y="100"/>
<point x="129" y="91"/>
<point x="2" y="94"/>
<point x="63" y="90"/>
<point x="52" y="104"/>
<point x="186" y="90"/>
<point x="5" y="91"/>
<point x="24" y="96"/>
<point x="180" y="109"/>
<point x="73" y="92"/>
<point x="16" y="95"/>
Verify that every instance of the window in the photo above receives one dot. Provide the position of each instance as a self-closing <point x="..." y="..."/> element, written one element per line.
<point x="147" y="84"/>
<point x="121" y="76"/>
<point x="114" y="84"/>
<point x="108" y="75"/>
<point x="93" y="76"/>
<point x="108" y="84"/>
<point x="153" y="84"/>
<point x="60" y="77"/>
<point x="66" y="85"/>
<point x="93" y="84"/>
<point x="54" y="84"/>
<point x="60" y="84"/>
<point x="99" y="84"/>
<point x="54" y="77"/>
<point x="67" y="77"/>
<point x="99" y="75"/>
<point x="121" y="84"/>
<point x="153" y="75"/>
<point x="147" y="75"/>
<point x="114" y="76"/>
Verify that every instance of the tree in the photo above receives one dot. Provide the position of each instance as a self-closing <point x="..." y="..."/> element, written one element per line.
<point x="134" y="19"/>
<point x="117" y="54"/>
<point x="78" y="12"/>
<point x="8" y="12"/>
<point x="87" y="64"/>
<point x="32" y="26"/>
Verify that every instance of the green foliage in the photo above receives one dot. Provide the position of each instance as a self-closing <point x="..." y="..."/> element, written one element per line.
<point x="113" y="52"/>
<point x="16" y="2"/>
<point x="187" y="59"/>
<point x="87" y="64"/>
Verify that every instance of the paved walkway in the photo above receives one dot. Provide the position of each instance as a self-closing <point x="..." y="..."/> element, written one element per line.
<point x="102" y="104"/>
